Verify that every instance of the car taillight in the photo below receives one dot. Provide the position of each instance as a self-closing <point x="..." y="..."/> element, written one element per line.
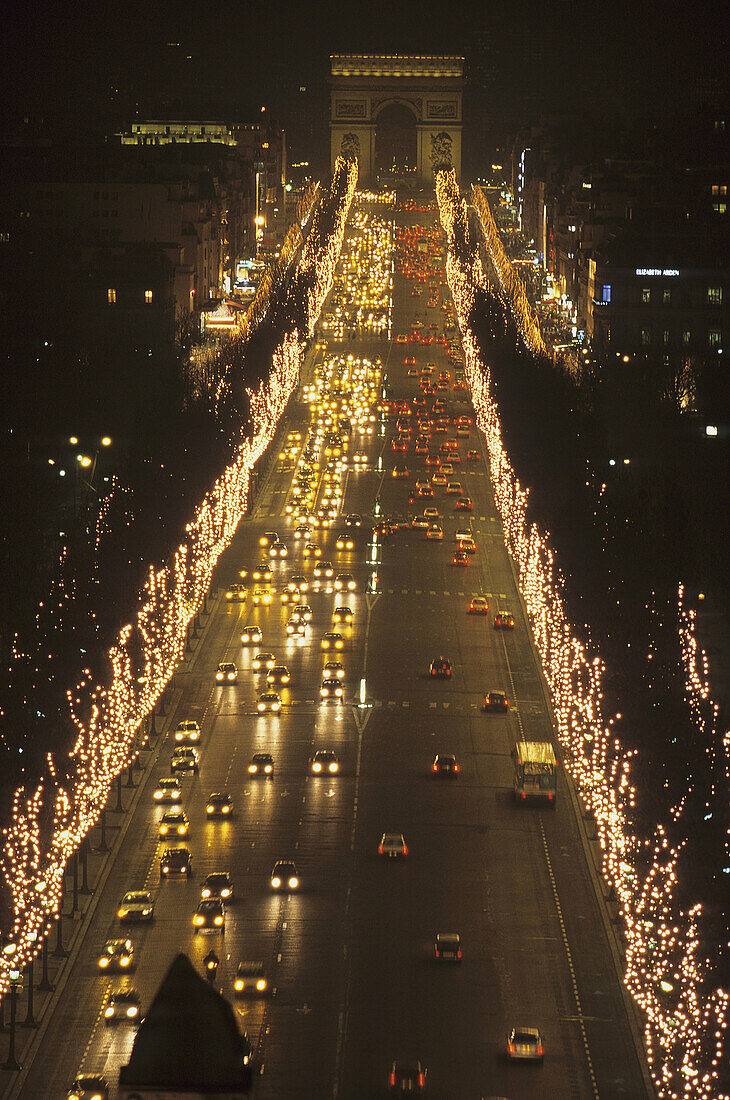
<point x="435" y="767"/>
<point x="405" y="849"/>
<point x="392" y="1080"/>
<point x="539" y="1050"/>
<point x="458" y="954"/>
<point x="511" y="1048"/>
<point x="421" y="1080"/>
<point x="381" y="849"/>
<point x="457" y="767"/>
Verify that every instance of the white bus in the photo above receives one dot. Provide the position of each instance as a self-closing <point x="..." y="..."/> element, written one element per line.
<point x="536" y="771"/>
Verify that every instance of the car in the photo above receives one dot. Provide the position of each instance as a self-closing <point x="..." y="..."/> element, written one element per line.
<point x="167" y="790"/>
<point x="311" y="550"/>
<point x="250" y="980"/>
<point x="187" y="732"/>
<point x="219" y="804"/>
<point x="440" y="668"/>
<point x="463" y="504"/>
<point x="217" y="885"/>
<point x="296" y="627"/>
<point x="468" y="546"/>
<point x="525" y="1043"/>
<point x="269" y="702"/>
<point x="303" y="612"/>
<point x="226" y="673"/>
<point x="472" y="456"/>
<point x="445" y="763"/>
<point x="279" y="674"/>
<point x="173" y="823"/>
<point x="176" y="861"/>
<point x="122" y="1005"/>
<point x="393" y="846"/>
<point x="433" y="460"/>
<point x="460" y="558"/>
<point x="332" y="640"/>
<point x="268" y="537"/>
<point x="331" y="689"/>
<point x="342" y="615"/>
<point x="262" y="572"/>
<point x="262" y="764"/>
<point x="136" y="905"/>
<point x="421" y="523"/>
<point x="251" y="635"/>
<point x="303" y="531"/>
<point x="462" y="533"/>
<point x="454" y="488"/>
<point x="284" y="875"/>
<point x="323" y="569"/>
<point x="479" y="605"/>
<point x="184" y="759"/>
<point x="262" y="596"/>
<point x="447" y="947"/>
<point x="263" y="661"/>
<point x="291" y="595"/>
<point x="88" y="1086"/>
<point x="278" y="550"/>
<point x="496" y="701"/>
<point x="236" y="592"/>
<point x="504" y="620"/>
<point x="435" y="531"/>
<point x="447" y="468"/>
<point x="353" y="520"/>
<point x="324" y="762"/>
<point x="116" y="956"/>
<point x="333" y="670"/>
<point x="438" y="478"/>
<point x="431" y="514"/>
<point x="421" y="485"/>
<point x="297" y="583"/>
<point x="209" y="916"/>
<point x="345" y="542"/>
<point x="400" y="472"/>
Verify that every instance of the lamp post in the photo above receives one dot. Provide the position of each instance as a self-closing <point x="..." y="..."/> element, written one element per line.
<point x="30" y="1020"/>
<point x="16" y="984"/>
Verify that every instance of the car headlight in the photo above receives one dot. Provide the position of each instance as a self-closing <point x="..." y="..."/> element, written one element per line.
<point x="276" y="882"/>
<point x="225" y="892"/>
<point x="205" y="892"/>
<point x="132" y="1011"/>
<point x="252" y="769"/>
<point x="293" y="882"/>
<point x="198" y="920"/>
<point x="158" y="794"/>
<point x="103" y="963"/>
<point x="211" y="809"/>
<point x="125" y="960"/>
<point x="316" y="767"/>
<point x="261" y="708"/>
<point x="225" y="809"/>
<point x="219" y="675"/>
<point x="122" y="913"/>
<point x="109" y="1011"/>
<point x="218" y="921"/>
<point x="268" y="769"/>
<point x="261" y="985"/>
<point x="146" y="912"/>
<point x="334" y="767"/>
<point x="165" y="869"/>
<point x="239" y="985"/>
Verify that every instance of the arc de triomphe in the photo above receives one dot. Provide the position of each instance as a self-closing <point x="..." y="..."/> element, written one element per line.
<point x="366" y="89"/>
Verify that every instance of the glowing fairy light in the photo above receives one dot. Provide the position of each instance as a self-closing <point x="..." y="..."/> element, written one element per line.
<point x="684" y="1025"/>
<point x="34" y="853"/>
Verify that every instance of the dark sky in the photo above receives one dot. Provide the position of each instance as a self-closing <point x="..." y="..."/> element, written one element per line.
<point x="554" y="54"/>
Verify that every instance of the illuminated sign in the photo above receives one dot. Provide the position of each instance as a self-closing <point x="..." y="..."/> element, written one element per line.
<point x="657" y="271"/>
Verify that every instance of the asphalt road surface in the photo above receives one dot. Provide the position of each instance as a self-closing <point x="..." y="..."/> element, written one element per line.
<point x="350" y="955"/>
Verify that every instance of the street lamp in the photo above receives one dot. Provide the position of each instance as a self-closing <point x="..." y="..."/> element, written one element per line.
<point x="16" y="984"/>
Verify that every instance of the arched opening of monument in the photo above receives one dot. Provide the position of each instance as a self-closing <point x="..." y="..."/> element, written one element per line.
<point x="396" y="146"/>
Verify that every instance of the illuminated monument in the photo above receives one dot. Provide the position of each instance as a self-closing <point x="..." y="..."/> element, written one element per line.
<point x="401" y="116"/>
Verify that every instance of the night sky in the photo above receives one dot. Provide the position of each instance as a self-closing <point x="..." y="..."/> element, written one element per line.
<point x="523" y="57"/>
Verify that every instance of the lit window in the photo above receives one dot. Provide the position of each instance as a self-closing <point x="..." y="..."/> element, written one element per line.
<point x="645" y="337"/>
<point x="148" y="297"/>
<point x="667" y="297"/>
<point x="111" y="296"/>
<point x="714" y="337"/>
<point x="606" y="293"/>
<point x="646" y="294"/>
<point x="714" y="295"/>
<point x="686" y="336"/>
<point x="665" y="336"/>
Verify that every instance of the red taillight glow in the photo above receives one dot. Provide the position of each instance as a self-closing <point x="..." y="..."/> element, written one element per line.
<point x="435" y="767"/>
<point x="405" y="849"/>
<point x="511" y="1048"/>
<point x="392" y="1080"/>
<point x="458" y="954"/>
<point x="421" y="1080"/>
<point x="539" y="1050"/>
<point x="457" y="767"/>
<point x="381" y="849"/>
